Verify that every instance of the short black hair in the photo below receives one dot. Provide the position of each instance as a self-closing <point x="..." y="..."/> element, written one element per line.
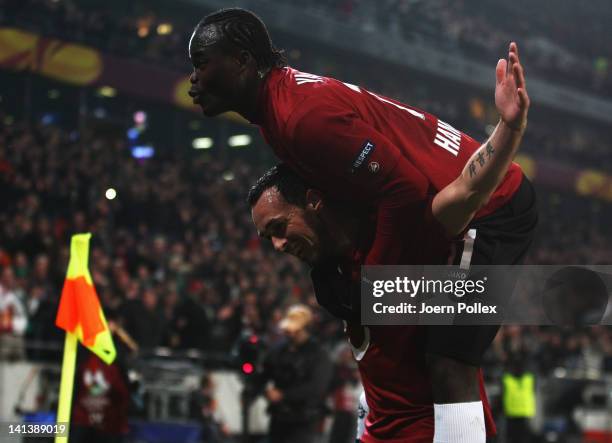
<point x="245" y="30"/>
<point x="289" y="184"/>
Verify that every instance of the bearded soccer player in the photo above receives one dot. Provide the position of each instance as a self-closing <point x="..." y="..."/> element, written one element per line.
<point x="375" y="153"/>
<point x="391" y="359"/>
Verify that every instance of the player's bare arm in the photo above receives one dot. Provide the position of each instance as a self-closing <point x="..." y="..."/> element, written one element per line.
<point x="455" y="205"/>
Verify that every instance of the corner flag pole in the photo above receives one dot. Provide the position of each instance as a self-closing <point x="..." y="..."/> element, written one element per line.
<point x="66" y="385"/>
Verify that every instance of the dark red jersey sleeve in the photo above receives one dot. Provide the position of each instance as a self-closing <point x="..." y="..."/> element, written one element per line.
<point x="336" y="151"/>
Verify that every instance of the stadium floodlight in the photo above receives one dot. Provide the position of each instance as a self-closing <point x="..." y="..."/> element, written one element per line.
<point x="110" y="194"/>
<point x="164" y="28"/>
<point x="107" y="91"/>
<point x="202" y="143"/>
<point x="143" y="31"/>
<point x="228" y="176"/>
<point x="236" y="141"/>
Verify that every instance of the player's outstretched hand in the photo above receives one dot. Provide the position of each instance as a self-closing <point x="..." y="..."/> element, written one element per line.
<point x="511" y="97"/>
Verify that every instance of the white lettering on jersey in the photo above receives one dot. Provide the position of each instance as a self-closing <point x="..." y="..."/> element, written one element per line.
<point x="303" y="77"/>
<point x="411" y="111"/>
<point x="448" y="138"/>
<point x="384" y="100"/>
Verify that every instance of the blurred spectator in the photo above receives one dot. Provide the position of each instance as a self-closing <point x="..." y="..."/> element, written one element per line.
<point x="203" y="408"/>
<point x="296" y="377"/>
<point x="519" y="400"/>
<point x="143" y="320"/>
<point x="345" y="389"/>
<point x="13" y="317"/>
<point x="190" y="324"/>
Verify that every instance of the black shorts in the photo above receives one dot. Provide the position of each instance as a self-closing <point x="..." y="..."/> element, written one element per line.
<point x="501" y="238"/>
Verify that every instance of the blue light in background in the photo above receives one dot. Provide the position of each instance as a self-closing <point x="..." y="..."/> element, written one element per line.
<point x="133" y="134"/>
<point x="47" y="119"/>
<point x="143" y="151"/>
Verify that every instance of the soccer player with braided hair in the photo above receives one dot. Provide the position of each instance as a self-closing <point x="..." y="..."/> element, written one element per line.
<point x="388" y="159"/>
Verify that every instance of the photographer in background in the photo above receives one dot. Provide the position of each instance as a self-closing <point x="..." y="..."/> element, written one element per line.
<point x="296" y="377"/>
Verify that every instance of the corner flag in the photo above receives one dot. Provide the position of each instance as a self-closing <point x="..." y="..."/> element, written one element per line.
<point x="81" y="316"/>
<point x="79" y="310"/>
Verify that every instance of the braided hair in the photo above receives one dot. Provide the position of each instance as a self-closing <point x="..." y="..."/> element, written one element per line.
<point x="241" y="29"/>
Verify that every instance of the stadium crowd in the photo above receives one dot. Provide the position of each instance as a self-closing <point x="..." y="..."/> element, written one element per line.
<point x="174" y="257"/>
<point x="481" y="30"/>
<point x="478" y="30"/>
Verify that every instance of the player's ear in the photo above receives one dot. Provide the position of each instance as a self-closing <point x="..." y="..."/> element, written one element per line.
<point x="314" y="200"/>
<point x="245" y="59"/>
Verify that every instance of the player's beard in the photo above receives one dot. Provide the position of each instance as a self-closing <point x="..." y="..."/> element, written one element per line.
<point x="325" y="243"/>
<point x="334" y="239"/>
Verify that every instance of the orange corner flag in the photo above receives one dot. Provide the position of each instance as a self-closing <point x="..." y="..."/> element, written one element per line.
<point x="79" y="310"/>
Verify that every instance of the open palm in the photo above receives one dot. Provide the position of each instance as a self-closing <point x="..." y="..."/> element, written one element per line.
<point x="511" y="97"/>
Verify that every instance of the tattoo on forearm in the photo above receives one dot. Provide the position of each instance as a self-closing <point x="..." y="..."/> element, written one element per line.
<point x="472" y="169"/>
<point x="480" y="158"/>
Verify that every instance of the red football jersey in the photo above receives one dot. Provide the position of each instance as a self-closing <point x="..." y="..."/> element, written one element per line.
<point x="398" y="390"/>
<point x="367" y="150"/>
